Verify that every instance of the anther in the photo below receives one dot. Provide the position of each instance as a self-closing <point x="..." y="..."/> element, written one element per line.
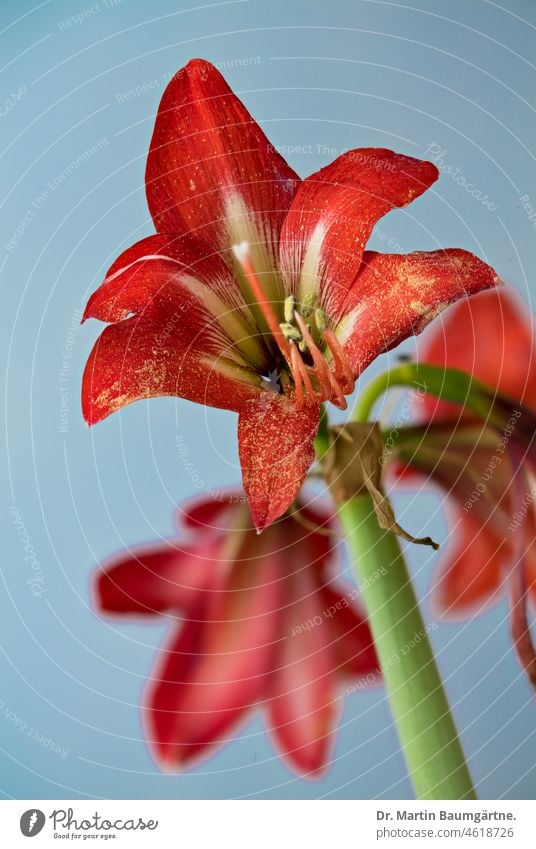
<point x="336" y="387"/>
<point x="320" y="320"/>
<point x="301" y="378"/>
<point x="340" y="357"/>
<point x="321" y="367"/>
<point x="307" y="304"/>
<point x="289" y="306"/>
<point x="290" y="332"/>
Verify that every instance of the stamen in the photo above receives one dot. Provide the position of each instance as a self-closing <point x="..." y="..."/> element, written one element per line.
<point x="290" y="332"/>
<point x="294" y="335"/>
<point x="304" y="374"/>
<point x="308" y="304"/>
<point x="335" y="385"/>
<point x="320" y="320"/>
<point x="322" y="370"/>
<point x="296" y="374"/>
<point x="340" y="357"/>
<point x="241" y="252"/>
<point x="290" y="304"/>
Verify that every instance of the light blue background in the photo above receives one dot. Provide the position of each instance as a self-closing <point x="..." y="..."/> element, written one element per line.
<point x="341" y="74"/>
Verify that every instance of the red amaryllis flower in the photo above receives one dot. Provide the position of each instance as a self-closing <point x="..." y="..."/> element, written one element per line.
<point x="256" y="294"/>
<point x="487" y="468"/>
<point x="255" y="621"/>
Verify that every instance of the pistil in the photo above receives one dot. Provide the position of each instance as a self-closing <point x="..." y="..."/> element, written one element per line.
<point x="313" y="383"/>
<point x="242" y="255"/>
<point x="340" y="358"/>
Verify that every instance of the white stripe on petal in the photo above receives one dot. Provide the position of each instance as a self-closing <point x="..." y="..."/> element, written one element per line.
<point x="243" y="226"/>
<point x="309" y="279"/>
<point x="229" y="318"/>
<point x="346" y="325"/>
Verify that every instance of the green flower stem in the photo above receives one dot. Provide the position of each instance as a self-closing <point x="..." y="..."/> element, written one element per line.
<point x="432" y="750"/>
<point x="446" y="383"/>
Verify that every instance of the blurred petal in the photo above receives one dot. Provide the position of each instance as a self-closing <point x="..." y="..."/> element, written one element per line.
<point x="305" y="706"/>
<point x="334" y="212"/>
<point x="529" y="534"/>
<point x="489" y="336"/>
<point x="217" y="667"/>
<point x="395" y="296"/>
<point x="475" y="566"/>
<point x="211" y="511"/>
<point x="351" y="638"/>
<point x="155" y="579"/>
<point x="520" y="625"/>
<point x="276" y="447"/>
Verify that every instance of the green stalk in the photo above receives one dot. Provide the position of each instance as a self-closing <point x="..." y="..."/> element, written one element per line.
<point x="426" y="729"/>
<point x="446" y="383"/>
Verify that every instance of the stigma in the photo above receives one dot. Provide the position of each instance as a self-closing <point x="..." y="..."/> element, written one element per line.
<point x="315" y="359"/>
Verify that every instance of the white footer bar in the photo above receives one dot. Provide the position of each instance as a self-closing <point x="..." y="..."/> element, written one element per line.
<point x="277" y="824"/>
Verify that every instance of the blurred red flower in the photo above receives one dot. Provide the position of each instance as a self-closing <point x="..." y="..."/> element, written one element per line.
<point x="256" y="621"/>
<point x="256" y="294"/>
<point x="487" y="470"/>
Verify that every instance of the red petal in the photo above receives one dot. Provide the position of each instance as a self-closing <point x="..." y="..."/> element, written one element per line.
<point x="335" y="210"/>
<point x="395" y="296"/>
<point x="305" y="706"/>
<point x="155" y="579"/>
<point x="276" y="446"/>
<point x="474" y="568"/>
<point x="529" y="534"/>
<point x="217" y="668"/>
<point x="207" y="149"/>
<point x="314" y="527"/>
<point x="520" y="624"/>
<point x="152" y="276"/>
<point x="137" y="359"/>
<point x="489" y="336"/>
<point x="209" y="511"/>
<point x="351" y="637"/>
